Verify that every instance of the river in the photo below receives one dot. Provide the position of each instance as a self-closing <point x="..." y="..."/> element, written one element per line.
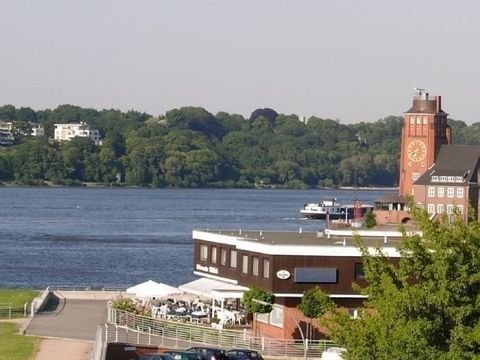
<point x="123" y="236"/>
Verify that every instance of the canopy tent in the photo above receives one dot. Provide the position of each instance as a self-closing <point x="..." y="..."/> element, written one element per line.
<point x="150" y="288"/>
<point x="214" y="289"/>
<point x="217" y="290"/>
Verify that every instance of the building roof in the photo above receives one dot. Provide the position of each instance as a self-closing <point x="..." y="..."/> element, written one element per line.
<point x="391" y="199"/>
<point x="424" y="104"/>
<point x="302" y="243"/>
<point x="453" y="161"/>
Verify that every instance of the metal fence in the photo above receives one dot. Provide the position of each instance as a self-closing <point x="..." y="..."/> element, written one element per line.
<point x="8" y="311"/>
<point x="129" y="327"/>
<point x="99" y="345"/>
<point x="86" y="288"/>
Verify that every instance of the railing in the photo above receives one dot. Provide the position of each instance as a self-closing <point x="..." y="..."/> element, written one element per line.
<point x="129" y="327"/>
<point x="99" y="345"/>
<point x="86" y="288"/>
<point x="8" y="311"/>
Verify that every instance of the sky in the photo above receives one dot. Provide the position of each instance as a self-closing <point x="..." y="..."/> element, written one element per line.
<point x="350" y="60"/>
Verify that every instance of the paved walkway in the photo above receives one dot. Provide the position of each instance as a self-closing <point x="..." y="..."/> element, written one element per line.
<point x="68" y="327"/>
<point x="77" y="320"/>
<point x="58" y="349"/>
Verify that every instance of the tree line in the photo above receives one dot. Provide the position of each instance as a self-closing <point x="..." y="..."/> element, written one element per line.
<point x="191" y="147"/>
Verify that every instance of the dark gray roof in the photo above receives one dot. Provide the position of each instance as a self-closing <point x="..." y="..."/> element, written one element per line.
<point x="307" y="238"/>
<point x="391" y="199"/>
<point x="453" y="160"/>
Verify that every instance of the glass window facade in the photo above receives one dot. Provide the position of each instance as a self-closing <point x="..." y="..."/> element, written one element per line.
<point x="255" y="266"/>
<point x="233" y="258"/>
<point x="244" y="264"/>
<point x="203" y="252"/>
<point x="266" y="268"/>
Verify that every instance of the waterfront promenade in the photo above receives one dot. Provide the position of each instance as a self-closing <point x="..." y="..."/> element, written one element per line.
<point x="69" y="323"/>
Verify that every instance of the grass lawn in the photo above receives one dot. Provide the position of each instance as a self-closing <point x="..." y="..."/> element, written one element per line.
<point x="13" y="300"/>
<point x="16" y="297"/>
<point x="14" y="346"/>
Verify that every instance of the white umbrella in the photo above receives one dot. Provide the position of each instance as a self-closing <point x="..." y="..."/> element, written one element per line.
<point x="150" y="288"/>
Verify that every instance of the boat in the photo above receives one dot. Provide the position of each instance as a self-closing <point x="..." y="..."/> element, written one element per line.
<point x="334" y="210"/>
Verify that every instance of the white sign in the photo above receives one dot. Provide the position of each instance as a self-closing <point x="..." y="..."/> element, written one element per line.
<point x="283" y="274"/>
<point x="210" y="269"/>
<point x="202" y="268"/>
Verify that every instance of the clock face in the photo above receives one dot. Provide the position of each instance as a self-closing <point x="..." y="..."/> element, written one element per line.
<point x="416" y="150"/>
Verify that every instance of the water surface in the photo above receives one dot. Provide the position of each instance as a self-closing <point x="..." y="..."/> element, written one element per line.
<point x="120" y="236"/>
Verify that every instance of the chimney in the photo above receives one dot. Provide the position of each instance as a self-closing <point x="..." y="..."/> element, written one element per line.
<point x="438" y="101"/>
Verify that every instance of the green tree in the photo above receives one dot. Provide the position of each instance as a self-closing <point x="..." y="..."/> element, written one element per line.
<point x="6" y="171"/>
<point x="258" y="300"/>
<point x="26" y="114"/>
<point x="7" y="113"/>
<point x="370" y="220"/>
<point x="21" y="129"/>
<point x="315" y="303"/>
<point x="81" y="159"/>
<point x="427" y="306"/>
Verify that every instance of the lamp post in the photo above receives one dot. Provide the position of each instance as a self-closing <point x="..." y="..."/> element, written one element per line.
<point x="291" y="317"/>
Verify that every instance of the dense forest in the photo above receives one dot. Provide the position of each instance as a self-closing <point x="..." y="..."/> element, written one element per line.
<point x="190" y="147"/>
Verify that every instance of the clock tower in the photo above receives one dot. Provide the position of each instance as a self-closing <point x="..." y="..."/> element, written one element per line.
<point x="424" y="130"/>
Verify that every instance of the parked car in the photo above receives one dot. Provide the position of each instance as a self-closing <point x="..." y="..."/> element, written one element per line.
<point x="243" y="354"/>
<point x="207" y="353"/>
<point x="183" y="355"/>
<point x="156" y="357"/>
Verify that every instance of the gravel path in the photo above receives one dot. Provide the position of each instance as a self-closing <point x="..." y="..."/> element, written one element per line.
<point x="58" y="349"/>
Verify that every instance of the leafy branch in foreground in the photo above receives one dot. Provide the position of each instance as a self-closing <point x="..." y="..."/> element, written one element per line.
<point x="427" y="306"/>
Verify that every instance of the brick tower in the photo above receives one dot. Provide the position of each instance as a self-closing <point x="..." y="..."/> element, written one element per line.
<point x="424" y="130"/>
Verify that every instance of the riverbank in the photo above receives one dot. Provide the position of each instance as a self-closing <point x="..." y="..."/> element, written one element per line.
<point x="212" y="186"/>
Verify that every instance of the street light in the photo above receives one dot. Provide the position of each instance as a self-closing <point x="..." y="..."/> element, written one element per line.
<point x="295" y="320"/>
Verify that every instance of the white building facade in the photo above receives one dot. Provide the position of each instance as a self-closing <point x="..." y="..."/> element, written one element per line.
<point x="66" y="132"/>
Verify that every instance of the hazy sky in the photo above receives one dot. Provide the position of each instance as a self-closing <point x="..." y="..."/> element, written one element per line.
<point x="355" y="60"/>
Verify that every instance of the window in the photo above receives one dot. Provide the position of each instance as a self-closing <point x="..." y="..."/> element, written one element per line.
<point x="263" y="317"/>
<point x="419" y="120"/>
<point x="460" y="209"/>
<point x="412" y="120"/>
<point x="244" y="264"/>
<point x="266" y="268"/>
<point x="431" y="191"/>
<point x="449" y="209"/>
<point x="441" y="192"/>
<point x="443" y="178"/>
<point x="223" y="256"/>
<point x="359" y="272"/>
<point x="213" y="258"/>
<point x="450" y="192"/>
<point x="316" y="275"/>
<point x="458" y="179"/>
<point x="276" y="316"/>
<point x="451" y="179"/>
<point x="255" y="265"/>
<point x="425" y="120"/>
<point x="415" y="176"/>
<point x="460" y="192"/>
<point x="435" y="178"/>
<point x="440" y="208"/>
<point x="203" y="252"/>
<point x="233" y="258"/>
<point x="431" y="208"/>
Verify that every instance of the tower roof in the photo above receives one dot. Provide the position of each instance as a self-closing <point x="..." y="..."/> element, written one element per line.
<point x="422" y="103"/>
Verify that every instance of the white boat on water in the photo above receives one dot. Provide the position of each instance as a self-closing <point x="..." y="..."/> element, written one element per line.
<point x="334" y="210"/>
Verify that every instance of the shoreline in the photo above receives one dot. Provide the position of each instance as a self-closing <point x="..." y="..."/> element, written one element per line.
<point x="120" y="186"/>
